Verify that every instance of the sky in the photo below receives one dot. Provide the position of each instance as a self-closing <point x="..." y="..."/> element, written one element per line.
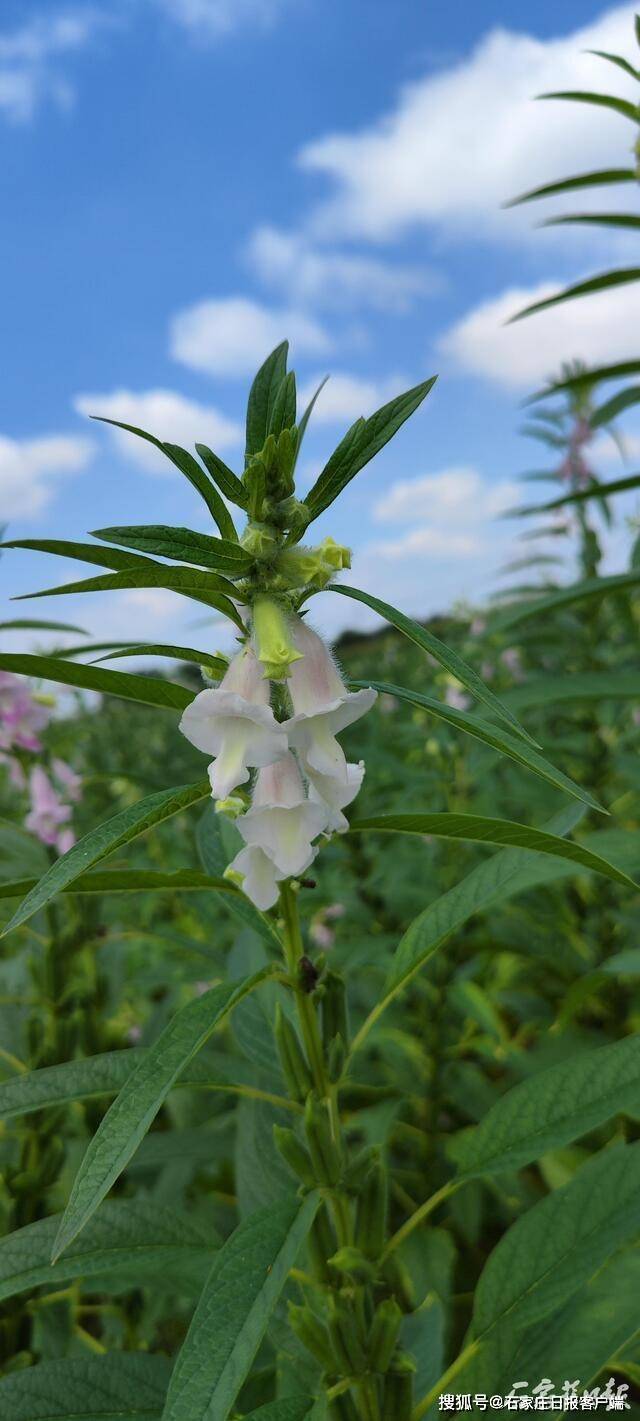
<point x="183" y="183"/>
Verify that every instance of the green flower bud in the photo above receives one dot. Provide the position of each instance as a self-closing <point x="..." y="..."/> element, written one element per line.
<point x="294" y="1065"/>
<point x="352" y="1262"/>
<point x="259" y="540"/>
<point x="356" y="1172"/>
<point x="291" y="513"/>
<point x="322" y="1146"/>
<point x="334" y="554"/>
<point x="312" y="567"/>
<point x="371" y="1213"/>
<point x="312" y="1334"/>
<point x="384" y="1334"/>
<point x="294" y="1154"/>
<point x="398" y="1389"/>
<point x="232" y="806"/>
<point x="273" y="638"/>
<point x="337" y="1058"/>
<point x="343" y="1331"/>
<point x="321" y="1244"/>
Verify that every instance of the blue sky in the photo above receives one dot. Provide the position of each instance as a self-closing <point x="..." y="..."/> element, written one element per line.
<point x="184" y="182"/>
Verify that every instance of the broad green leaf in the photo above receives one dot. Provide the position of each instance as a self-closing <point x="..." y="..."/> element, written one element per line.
<point x="214" y="860"/>
<point x="607" y="101"/>
<point x="25" y="624"/>
<point x="231" y="485"/>
<point x="561" y="1242"/>
<point x="148" y="690"/>
<point x="583" y="686"/>
<point x="498" y="739"/>
<point x="230" y="1321"/>
<point x="131" y="880"/>
<point x="207" y="587"/>
<point x="625" y="963"/>
<point x="549" y="1110"/>
<point x="132" y="1112"/>
<point x="115" y="558"/>
<point x="599" y="178"/>
<point x="185" y="462"/>
<point x="181" y="544"/>
<point x="594" y="490"/>
<point x="288" y="1408"/>
<point x="135" y="1238"/>
<point x="262" y="397"/>
<point x="566" y="597"/>
<point x="99" y="843"/>
<point x="475" y="828"/>
<point x="174" y="653"/>
<point x="362" y="442"/>
<point x="125" y="1386"/>
<point x="441" y="653"/>
<point x="604" y="282"/>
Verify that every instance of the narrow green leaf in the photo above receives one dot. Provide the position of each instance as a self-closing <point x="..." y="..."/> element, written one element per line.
<point x="498" y="739"/>
<point x="599" y="178"/>
<point x="567" y="597"/>
<point x="561" y="1242"/>
<point x="604" y="282"/>
<point x="585" y="686"/>
<point x="181" y="544"/>
<point x="262" y="396"/>
<point x="174" y="653"/>
<point x="132" y="1112"/>
<point x="616" y="405"/>
<point x="441" y="653"/>
<point x="207" y="587"/>
<point x="607" y="101"/>
<point x="125" y="1386"/>
<point x="618" y="60"/>
<point x="475" y="828"/>
<point x="147" y="690"/>
<point x="230" y="1321"/>
<point x="135" y="1238"/>
<point x="283" y="411"/>
<point x="226" y="480"/>
<point x="24" y="624"/>
<point x="549" y="1110"/>
<point x="131" y="880"/>
<point x="99" y="843"/>
<point x="114" y="558"/>
<point x="626" y="220"/>
<point x="585" y="379"/>
<point x="307" y="416"/>
<point x="594" y="490"/>
<point x="185" y="462"/>
<point x="362" y="442"/>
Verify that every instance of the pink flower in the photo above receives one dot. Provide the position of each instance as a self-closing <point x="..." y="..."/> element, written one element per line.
<point x="48" y="814"/>
<point x="20" y="716"/>
<point x="66" y="780"/>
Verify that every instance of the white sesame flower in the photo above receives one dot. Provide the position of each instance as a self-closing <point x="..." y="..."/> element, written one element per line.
<point x="236" y="724"/>
<point x="335" y="792"/>
<point x="281" y="821"/>
<point x="322" y="707"/>
<point x="260" y="877"/>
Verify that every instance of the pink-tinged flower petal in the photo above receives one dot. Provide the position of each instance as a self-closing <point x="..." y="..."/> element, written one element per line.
<point x="315" y="683"/>
<point x="65" y="841"/>
<point x="281" y="821"/>
<point x="236" y="724"/>
<point x="260" y="876"/>
<point x="47" y="811"/>
<point x="66" y="779"/>
<point x="335" y="793"/>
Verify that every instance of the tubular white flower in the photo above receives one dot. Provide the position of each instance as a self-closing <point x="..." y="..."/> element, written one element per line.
<point x="281" y="821"/>
<point x="322" y="707"/>
<point x="334" y="792"/>
<point x="260" y="877"/>
<point x="236" y="724"/>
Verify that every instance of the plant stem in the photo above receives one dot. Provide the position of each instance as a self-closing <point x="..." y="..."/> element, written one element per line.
<point x="422" y="1213"/>
<point x="427" y="1401"/>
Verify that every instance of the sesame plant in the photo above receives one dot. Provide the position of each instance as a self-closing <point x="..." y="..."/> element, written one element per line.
<point x="324" y="1289"/>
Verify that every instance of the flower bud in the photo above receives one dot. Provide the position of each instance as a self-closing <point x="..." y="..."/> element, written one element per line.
<point x="259" y="540"/>
<point x="337" y="1057"/>
<point x="322" y="1146"/>
<point x="371" y="1213"/>
<point x="384" y="1334"/>
<point x="351" y="1261"/>
<point x="232" y="806"/>
<point x="397" y="1404"/>
<point x="348" y="1349"/>
<point x="312" y="1334"/>
<point x="294" y="1065"/>
<point x="273" y="639"/>
<point x="321" y="1243"/>
<point x="356" y="1172"/>
<point x="294" y="1154"/>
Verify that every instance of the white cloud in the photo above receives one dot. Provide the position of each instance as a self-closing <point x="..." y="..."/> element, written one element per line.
<point x="231" y="335"/>
<point x="439" y="542"/>
<point x="450" y="497"/>
<point x="595" y="329"/>
<point x="29" y="469"/>
<point x="29" y="56"/>
<point x="291" y="262"/>
<point x="346" y="397"/>
<point x="167" y="415"/>
<point x="213" y="19"/>
<point x="460" y="142"/>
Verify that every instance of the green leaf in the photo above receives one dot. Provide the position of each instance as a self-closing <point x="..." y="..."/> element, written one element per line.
<point x="99" y="843"/>
<point x="561" y="1242"/>
<point x="616" y="405"/>
<point x="230" y="1321"/>
<point x="126" y="1386"/>
<point x="131" y="880"/>
<point x="586" y="379"/>
<point x="607" y="101"/>
<point x="498" y="739"/>
<point x="283" y="412"/>
<point x="148" y="690"/>
<point x="288" y="1408"/>
<point x="585" y="686"/>
<point x="594" y="219"/>
<point x="132" y="1112"/>
<point x="362" y="442"/>
<point x="24" y="624"/>
<point x="262" y="397"/>
<point x="604" y="282"/>
<point x="475" y="828"/>
<point x="594" y="490"/>
<point x="206" y="587"/>
<point x="114" y="558"/>
<point x="549" y="1110"/>
<point x="306" y="417"/>
<point x="174" y="653"/>
<point x="443" y="654"/>
<point x="617" y="60"/>
<point x="599" y="178"/>
<point x="185" y="462"/>
<point x="226" y="480"/>
<point x="566" y="597"/>
<point x="135" y="1238"/>
<point x="181" y="544"/>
